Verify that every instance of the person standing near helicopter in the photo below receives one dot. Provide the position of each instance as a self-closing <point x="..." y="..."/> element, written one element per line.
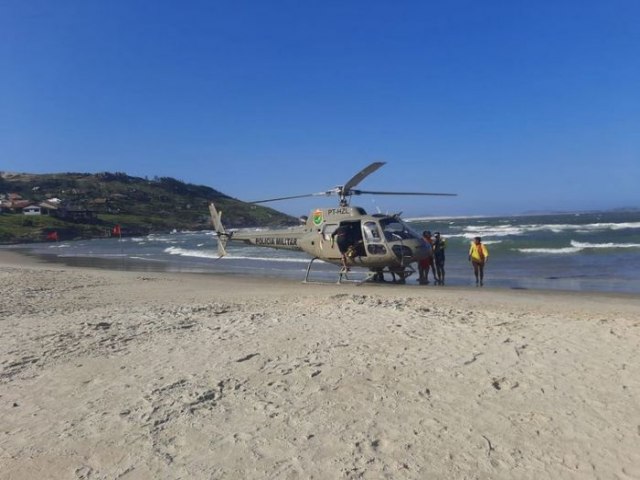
<point x="341" y="236"/>
<point x="426" y="263"/>
<point x="478" y="256"/>
<point x="439" y="245"/>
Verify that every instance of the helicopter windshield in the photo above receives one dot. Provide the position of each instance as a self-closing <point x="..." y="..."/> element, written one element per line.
<point x="395" y="229"/>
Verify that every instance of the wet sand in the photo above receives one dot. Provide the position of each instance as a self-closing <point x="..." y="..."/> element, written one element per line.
<point x="136" y="375"/>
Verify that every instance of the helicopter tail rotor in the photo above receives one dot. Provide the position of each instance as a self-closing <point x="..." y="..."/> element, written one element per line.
<point x="223" y="235"/>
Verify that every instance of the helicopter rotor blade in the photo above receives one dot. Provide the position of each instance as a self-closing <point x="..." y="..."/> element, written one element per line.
<point x="361" y="175"/>
<point x="346" y="190"/>
<point x="368" y="192"/>
<point x="319" y="194"/>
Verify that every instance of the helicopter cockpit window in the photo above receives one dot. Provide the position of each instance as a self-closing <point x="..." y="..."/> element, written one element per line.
<point x="373" y="239"/>
<point x="395" y="230"/>
<point x="371" y="232"/>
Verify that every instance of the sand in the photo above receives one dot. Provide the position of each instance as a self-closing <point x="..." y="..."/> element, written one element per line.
<point x="125" y="375"/>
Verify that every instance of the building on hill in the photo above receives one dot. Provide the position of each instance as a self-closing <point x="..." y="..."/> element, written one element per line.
<point x="48" y="208"/>
<point x="32" y="209"/>
<point x="18" y="205"/>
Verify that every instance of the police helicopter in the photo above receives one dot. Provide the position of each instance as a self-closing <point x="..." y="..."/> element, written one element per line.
<point x="380" y="243"/>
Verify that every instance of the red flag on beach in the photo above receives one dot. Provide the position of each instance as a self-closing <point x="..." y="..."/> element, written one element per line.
<point x="116" y="232"/>
<point x="52" y="236"/>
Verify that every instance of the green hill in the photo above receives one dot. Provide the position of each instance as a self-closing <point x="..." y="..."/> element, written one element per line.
<point x="103" y="200"/>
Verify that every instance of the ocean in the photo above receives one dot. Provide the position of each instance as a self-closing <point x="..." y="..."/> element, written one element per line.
<point x="597" y="252"/>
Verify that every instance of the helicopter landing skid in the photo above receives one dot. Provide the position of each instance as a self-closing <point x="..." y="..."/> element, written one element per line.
<point x="306" y="277"/>
<point x="398" y="276"/>
<point x="343" y="275"/>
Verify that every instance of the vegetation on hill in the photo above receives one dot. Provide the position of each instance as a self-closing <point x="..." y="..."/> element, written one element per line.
<point x="139" y="205"/>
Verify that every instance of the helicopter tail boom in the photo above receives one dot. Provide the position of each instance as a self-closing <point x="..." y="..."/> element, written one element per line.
<point x="223" y="236"/>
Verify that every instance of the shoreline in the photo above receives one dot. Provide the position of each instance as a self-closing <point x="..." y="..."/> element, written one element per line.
<point x="142" y="266"/>
<point x="121" y="374"/>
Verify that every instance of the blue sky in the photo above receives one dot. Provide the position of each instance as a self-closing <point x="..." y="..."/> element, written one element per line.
<point x="515" y="106"/>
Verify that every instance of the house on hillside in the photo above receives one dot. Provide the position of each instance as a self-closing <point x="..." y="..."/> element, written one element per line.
<point x="32" y="209"/>
<point x="48" y="208"/>
<point x="18" y="205"/>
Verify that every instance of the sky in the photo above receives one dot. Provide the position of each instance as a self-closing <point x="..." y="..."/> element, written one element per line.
<point x="515" y="106"/>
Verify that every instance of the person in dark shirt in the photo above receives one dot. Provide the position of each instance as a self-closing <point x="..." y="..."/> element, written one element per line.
<point x="341" y="237"/>
<point x="439" y="245"/>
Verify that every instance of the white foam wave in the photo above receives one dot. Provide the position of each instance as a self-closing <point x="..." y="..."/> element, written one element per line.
<point x="146" y="259"/>
<point x="439" y="218"/>
<point x="514" y="230"/>
<point x="93" y="255"/>
<point x="493" y="231"/>
<point x="578" y="247"/>
<point x="620" y="226"/>
<point x="471" y="237"/>
<point x="604" y="245"/>
<point x="210" y="254"/>
<point x="190" y="253"/>
<point x="271" y="259"/>
<point x="553" y="251"/>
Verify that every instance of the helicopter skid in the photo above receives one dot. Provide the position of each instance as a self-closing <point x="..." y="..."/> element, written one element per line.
<point x="348" y="275"/>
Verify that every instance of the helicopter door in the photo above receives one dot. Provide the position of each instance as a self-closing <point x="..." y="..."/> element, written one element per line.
<point x="373" y="239"/>
<point x="354" y="236"/>
<point x="357" y="239"/>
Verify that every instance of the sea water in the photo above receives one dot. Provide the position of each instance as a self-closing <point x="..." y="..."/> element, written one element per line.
<point x="579" y="252"/>
<point x="588" y="251"/>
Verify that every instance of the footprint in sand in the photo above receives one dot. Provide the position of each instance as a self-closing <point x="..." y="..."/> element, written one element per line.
<point x="504" y="384"/>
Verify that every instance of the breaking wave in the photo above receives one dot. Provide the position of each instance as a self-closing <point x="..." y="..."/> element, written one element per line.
<point x="604" y="245"/>
<point x="213" y="255"/>
<point x="577" y="247"/>
<point x="552" y="251"/>
<point x="471" y="231"/>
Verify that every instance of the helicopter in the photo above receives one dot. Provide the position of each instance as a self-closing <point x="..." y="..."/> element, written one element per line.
<point x="381" y="243"/>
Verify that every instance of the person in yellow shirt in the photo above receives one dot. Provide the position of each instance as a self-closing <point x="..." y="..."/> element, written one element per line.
<point x="478" y="256"/>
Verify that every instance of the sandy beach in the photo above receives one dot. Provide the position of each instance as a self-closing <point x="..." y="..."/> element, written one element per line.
<point x="125" y="375"/>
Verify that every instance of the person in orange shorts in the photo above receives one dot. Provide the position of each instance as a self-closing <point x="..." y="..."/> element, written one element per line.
<point x="426" y="263"/>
